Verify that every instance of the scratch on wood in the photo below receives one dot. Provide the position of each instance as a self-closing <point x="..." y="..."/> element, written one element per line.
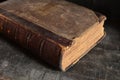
<point x="43" y="75"/>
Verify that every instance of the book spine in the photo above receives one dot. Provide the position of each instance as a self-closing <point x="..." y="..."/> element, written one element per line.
<point x="41" y="46"/>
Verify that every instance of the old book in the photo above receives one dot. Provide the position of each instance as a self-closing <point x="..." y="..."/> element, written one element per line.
<point x="59" y="32"/>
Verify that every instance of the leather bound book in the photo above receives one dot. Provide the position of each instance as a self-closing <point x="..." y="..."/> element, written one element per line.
<point x="59" y="32"/>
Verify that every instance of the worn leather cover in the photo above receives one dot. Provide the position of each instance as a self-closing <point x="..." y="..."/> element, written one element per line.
<point x="45" y="26"/>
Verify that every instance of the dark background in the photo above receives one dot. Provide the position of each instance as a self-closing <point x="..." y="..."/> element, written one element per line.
<point x="111" y="8"/>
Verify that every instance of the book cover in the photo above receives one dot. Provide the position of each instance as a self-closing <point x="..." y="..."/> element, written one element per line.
<point x="59" y="32"/>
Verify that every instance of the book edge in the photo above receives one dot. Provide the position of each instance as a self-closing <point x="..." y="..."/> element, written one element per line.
<point x="101" y="18"/>
<point x="73" y="63"/>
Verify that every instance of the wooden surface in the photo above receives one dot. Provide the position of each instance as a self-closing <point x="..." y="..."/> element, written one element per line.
<point x="102" y="63"/>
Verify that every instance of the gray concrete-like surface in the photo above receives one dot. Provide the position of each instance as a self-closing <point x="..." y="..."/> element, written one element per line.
<point x="101" y="63"/>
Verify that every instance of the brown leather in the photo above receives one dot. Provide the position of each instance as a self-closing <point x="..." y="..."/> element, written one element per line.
<point x="35" y="42"/>
<point x="35" y="28"/>
<point x="60" y="17"/>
